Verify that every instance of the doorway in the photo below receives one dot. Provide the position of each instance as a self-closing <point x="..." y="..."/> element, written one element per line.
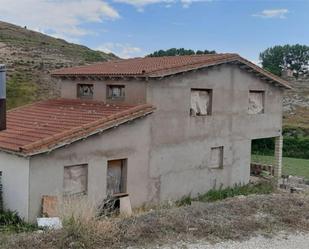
<point x="116" y="177"/>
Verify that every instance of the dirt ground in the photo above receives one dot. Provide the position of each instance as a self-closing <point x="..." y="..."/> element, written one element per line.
<point x="236" y="219"/>
<point x="282" y="241"/>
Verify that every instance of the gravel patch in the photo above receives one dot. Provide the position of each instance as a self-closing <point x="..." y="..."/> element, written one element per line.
<point x="282" y="241"/>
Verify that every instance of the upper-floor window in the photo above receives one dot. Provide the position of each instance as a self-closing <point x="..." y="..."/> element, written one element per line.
<point x="201" y="102"/>
<point x="115" y="91"/>
<point x="256" y="102"/>
<point x="85" y="91"/>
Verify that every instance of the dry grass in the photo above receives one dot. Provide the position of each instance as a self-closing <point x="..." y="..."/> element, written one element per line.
<point x="76" y="207"/>
<point x="234" y="218"/>
<point x="299" y="118"/>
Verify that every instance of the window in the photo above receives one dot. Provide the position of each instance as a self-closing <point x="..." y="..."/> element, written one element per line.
<point x="85" y="91"/>
<point x="116" y="177"/>
<point x="256" y="102"/>
<point x="201" y="100"/>
<point x="75" y="179"/>
<point x="115" y="92"/>
<point x="216" y="157"/>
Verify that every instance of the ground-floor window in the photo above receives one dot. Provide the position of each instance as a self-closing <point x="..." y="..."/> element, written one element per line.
<point x="216" y="157"/>
<point x="75" y="179"/>
<point x="116" y="176"/>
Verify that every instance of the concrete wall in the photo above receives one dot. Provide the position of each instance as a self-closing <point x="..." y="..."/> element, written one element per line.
<point x="135" y="91"/>
<point x="181" y="144"/>
<point x="168" y="152"/>
<point x="129" y="141"/>
<point x="15" y="181"/>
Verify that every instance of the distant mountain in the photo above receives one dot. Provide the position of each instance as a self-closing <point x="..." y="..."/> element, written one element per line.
<point x="30" y="56"/>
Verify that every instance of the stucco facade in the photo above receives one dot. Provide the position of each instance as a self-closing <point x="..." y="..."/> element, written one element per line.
<point x="167" y="152"/>
<point x="181" y="144"/>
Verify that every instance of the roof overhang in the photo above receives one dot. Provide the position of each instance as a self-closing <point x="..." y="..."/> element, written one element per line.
<point x="48" y="145"/>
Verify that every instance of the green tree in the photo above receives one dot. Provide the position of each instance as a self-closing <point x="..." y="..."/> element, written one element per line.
<point x="278" y="58"/>
<point x="179" y="51"/>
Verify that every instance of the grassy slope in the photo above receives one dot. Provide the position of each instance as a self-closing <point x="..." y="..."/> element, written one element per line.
<point x="291" y="166"/>
<point x="27" y="39"/>
<point x="30" y="57"/>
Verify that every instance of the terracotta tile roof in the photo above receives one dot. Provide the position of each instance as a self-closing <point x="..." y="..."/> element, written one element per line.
<point x="161" y="66"/>
<point x="45" y="125"/>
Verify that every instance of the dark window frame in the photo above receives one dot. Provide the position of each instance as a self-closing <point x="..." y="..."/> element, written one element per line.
<point x="81" y="96"/>
<point x="109" y="92"/>
<point x="209" y="108"/>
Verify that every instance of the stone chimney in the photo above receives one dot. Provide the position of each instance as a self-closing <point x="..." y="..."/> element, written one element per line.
<point x="2" y="97"/>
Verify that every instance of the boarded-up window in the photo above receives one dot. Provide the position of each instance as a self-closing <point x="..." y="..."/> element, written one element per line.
<point x="201" y="101"/>
<point x="115" y="91"/>
<point x="216" y="157"/>
<point x="85" y="91"/>
<point x="75" y="179"/>
<point x="116" y="176"/>
<point x="256" y="102"/>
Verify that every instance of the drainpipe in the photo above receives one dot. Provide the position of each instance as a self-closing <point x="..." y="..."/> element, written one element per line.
<point x="2" y="97"/>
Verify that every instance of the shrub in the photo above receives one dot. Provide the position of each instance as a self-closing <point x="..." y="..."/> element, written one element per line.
<point x="223" y="193"/>
<point x="293" y="146"/>
<point x="186" y="200"/>
<point x="11" y="221"/>
<point x="82" y="224"/>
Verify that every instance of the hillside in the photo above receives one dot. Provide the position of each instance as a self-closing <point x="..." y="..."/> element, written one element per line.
<point x="30" y="56"/>
<point x="296" y="104"/>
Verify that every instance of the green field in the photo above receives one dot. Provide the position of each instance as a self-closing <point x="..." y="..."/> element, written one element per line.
<point x="291" y="166"/>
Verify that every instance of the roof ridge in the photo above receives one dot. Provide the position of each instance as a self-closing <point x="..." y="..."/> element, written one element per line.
<point x="201" y="63"/>
<point x="115" y="62"/>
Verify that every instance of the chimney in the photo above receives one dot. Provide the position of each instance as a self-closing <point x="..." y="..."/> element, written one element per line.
<point x="2" y="97"/>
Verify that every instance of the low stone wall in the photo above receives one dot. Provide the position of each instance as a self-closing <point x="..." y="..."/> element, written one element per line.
<point x="258" y="168"/>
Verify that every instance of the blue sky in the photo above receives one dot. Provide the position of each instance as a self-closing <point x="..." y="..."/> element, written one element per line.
<point x="133" y="28"/>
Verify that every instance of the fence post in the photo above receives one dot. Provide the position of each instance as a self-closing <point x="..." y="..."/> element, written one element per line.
<point x="278" y="159"/>
<point x="1" y="197"/>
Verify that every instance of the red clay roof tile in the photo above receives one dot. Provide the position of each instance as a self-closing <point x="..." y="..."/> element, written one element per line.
<point x="161" y="66"/>
<point x="45" y="125"/>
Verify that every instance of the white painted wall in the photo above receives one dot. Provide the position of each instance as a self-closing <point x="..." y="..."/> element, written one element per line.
<point x="15" y="181"/>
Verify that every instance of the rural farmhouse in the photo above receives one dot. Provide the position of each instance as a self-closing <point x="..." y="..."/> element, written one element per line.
<point x="154" y="128"/>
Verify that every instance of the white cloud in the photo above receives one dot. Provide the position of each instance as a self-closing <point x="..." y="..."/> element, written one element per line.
<point x="272" y="13"/>
<point x="140" y="4"/>
<point x="187" y="3"/>
<point x="123" y="50"/>
<point x="56" y="17"/>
